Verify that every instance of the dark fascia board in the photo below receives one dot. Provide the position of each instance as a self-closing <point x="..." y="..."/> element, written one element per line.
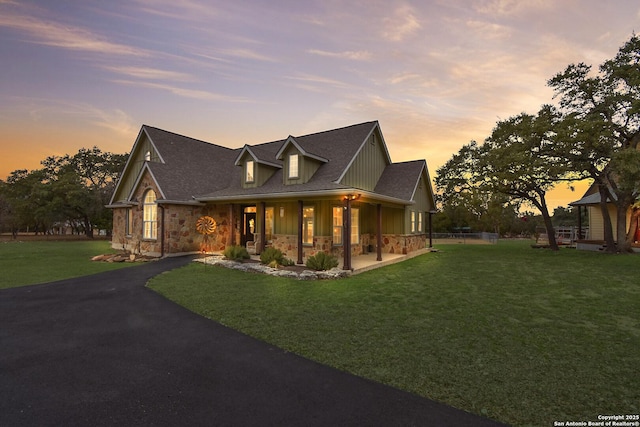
<point x="362" y="144"/>
<point x="292" y="141"/>
<point x="247" y="149"/>
<point x="425" y="172"/>
<point x="139" y="178"/>
<point x="142" y="131"/>
<point x="307" y="194"/>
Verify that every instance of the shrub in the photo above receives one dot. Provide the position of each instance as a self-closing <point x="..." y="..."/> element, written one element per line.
<point x="269" y="255"/>
<point x="236" y="253"/>
<point x="287" y="262"/>
<point x="322" y="261"/>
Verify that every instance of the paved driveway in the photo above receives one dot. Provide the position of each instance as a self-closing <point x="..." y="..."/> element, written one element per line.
<point x="105" y="350"/>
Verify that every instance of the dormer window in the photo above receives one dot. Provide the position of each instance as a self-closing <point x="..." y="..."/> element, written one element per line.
<point x="249" y="171"/>
<point x="293" y="166"/>
<point x="147" y="156"/>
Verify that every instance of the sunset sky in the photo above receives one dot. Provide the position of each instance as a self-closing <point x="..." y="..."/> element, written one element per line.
<point x="436" y="74"/>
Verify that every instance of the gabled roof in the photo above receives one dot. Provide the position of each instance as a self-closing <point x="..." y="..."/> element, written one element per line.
<point x="338" y="146"/>
<point x="259" y="155"/>
<point x="401" y="179"/>
<point x="191" y="170"/>
<point x="592" y="196"/>
<point x="292" y="141"/>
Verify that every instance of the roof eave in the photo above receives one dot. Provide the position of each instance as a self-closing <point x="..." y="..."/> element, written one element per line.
<point x="306" y="194"/>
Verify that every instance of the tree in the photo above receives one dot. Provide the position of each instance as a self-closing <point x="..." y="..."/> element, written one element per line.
<point x="84" y="183"/>
<point x="68" y="189"/>
<point x="601" y="132"/>
<point x="516" y="161"/>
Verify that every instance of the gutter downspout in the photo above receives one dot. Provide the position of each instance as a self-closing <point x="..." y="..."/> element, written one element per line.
<point x="162" y="232"/>
<point x="299" y="232"/>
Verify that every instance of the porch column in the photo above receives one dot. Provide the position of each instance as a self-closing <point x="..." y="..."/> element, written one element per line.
<point x="379" y="234"/>
<point x="430" y="229"/>
<point x="346" y="230"/>
<point x="579" y="223"/>
<point x="263" y="231"/>
<point x="300" y="231"/>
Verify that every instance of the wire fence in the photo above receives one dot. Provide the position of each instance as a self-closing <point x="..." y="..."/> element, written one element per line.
<point x="471" y="237"/>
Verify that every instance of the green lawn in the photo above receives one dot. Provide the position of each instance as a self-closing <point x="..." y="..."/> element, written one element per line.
<point x="525" y="336"/>
<point x="27" y="263"/>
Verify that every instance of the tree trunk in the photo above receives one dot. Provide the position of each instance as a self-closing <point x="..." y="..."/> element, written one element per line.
<point x="88" y="230"/>
<point x="631" y="233"/>
<point x="606" y="219"/>
<point x="551" y="232"/>
<point x="624" y="245"/>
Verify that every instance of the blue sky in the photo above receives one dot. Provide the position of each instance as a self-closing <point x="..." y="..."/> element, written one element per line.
<point x="436" y="74"/>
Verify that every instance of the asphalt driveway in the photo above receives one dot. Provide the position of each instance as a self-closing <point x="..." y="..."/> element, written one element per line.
<point x="105" y="350"/>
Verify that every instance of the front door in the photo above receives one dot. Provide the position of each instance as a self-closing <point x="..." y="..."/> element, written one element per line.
<point x="248" y="228"/>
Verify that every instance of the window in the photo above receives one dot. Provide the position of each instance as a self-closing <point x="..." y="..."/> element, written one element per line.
<point x="419" y="222"/>
<point x="413" y="221"/>
<point x="150" y="220"/>
<point x="355" y="226"/>
<point x="293" y="166"/>
<point x="147" y="156"/>
<point x="128" y="222"/>
<point x="337" y="225"/>
<point x="268" y="227"/>
<point x="249" y="172"/>
<point x="307" y="225"/>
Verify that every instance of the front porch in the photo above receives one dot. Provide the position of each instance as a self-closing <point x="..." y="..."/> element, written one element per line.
<point x="366" y="262"/>
<point x="369" y="261"/>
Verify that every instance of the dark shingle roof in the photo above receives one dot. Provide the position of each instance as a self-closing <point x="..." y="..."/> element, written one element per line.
<point x="400" y="179"/>
<point x="190" y="166"/>
<point x="198" y="169"/>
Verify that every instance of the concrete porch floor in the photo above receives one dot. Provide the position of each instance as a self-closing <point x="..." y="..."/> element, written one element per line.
<point x="362" y="263"/>
<point x="366" y="262"/>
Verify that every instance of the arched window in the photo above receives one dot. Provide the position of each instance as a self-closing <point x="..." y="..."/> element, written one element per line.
<point x="150" y="221"/>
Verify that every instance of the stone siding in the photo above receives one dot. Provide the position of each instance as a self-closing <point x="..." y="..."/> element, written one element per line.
<point x="391" y="243"/>
<point x="176" y="227"/>
<point x="402" y="243"/>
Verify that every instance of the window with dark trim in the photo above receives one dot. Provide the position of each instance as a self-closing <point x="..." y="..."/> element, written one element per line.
<point x="150" y="216"/>
<point x="250" y="171"/>
<point x="337" y="225"/>
<point x="294" y="166"/>
<point x="308" y="221"/>
<point x="355" y="226"/>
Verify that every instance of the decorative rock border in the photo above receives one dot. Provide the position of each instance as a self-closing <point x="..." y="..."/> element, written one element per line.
<point x="121" y="257"/>
<point x="253" y="267"/>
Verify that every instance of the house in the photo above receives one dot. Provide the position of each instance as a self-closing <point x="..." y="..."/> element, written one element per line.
<point x="594" y="238"/>
<point x="325" y="191"/>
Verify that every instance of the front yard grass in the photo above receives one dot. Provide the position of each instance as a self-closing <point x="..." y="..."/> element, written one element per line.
<point x="28" y="263"/>
<point x="524" y="336"/>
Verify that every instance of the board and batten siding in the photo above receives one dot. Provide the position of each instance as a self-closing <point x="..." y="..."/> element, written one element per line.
<point x="422" y="204"/>
<point x="367" y="167"/>
<point x="306" y="167"/>
<point x="596" y="222"/>
<point x="136" y="163"/>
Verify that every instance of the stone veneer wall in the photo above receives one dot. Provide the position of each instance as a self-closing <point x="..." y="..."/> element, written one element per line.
<point x="134" y="242"/>
<point x="176" y="224"/>
<point x="391" y="243"/>
<point x="180" y="229"/>
<point x="402" y="243"/>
